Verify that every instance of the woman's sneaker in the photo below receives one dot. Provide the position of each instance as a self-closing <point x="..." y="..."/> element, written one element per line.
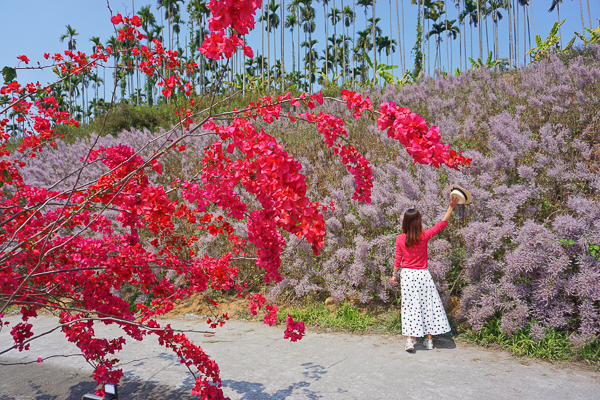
<point x="410" y="345"/>
<point x="428" y="343"/>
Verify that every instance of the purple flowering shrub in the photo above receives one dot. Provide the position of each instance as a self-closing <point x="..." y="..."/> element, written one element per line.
<point x="521" y="251"/>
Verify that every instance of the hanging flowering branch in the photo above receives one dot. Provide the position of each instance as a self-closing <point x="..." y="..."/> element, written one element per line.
<point x="59" y="251"/>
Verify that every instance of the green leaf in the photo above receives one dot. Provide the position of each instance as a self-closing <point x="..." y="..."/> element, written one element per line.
<point x="9" y="74"/>
<point x="383" y="67"/>
<point x="473" y="62"/>
<point x="7" y="175"/>
<point x="368" y="59"/>
<point x="538" y="41"/>
<point x="555" y="28"/>
<point x="569" y="45"/>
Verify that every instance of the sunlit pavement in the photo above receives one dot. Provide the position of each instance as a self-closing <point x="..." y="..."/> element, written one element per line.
<point x="257" y="363"/>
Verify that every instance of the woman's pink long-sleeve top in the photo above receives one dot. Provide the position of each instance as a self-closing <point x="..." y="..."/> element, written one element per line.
<point x="416" y="256"/>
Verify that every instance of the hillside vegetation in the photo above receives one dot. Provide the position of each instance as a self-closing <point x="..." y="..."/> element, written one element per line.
<point x="524" y="256"/>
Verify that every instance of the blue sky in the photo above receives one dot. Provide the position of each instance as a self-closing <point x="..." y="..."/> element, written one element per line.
<point x="33" y="27"/>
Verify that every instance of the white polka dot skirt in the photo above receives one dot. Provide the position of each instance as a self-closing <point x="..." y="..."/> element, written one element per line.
<point x="422" y="309"/>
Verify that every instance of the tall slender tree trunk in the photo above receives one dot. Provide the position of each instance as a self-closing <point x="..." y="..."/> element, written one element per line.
<point x="533" y="19"/>
<point x="582" y="23"/>
<point x="334" y="22"/>
<point x="399" y="37"/>
<point x="496" y="40"/>
<point x="518" y="53"/>
<point x="326" y="41"/>
<point x="471" y="37"/>
<point x="528" y="33"/>
<point x="525" y="35"/>
<point x="487" y="37"/>
<point x="268" y="48"/>
<point x="281" y="23"/>
<point x="344" y="36"/>
<point x="364" y="74"/>
<point x="448" y="66"/>
<point x="274" y="53"/>
<point x="479" y="30"/>
<point x="374" y="47"/>
<point x="465" y="37"/>
<point x="510" y="37"/>
<point x="298" y="37"/>
<point x="403" y="38"/>
<point x="428" y="42"/>
<point x="353" y="41"/>
<point x="423" y="38"/>
<point x="558" y="20"/>
<point x="589" y="14"/>
<point x="262" y="41"/>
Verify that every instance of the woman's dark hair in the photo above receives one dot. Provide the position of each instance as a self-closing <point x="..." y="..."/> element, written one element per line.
<point x="411" y="226"/>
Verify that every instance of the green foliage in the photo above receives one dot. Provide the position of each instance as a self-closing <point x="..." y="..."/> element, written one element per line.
<point x="488" y="63"/>
<point x="416" y="50"/>
<point x="9" y="74"/>
<point x="346" y="317"/>
<point x="593" y="249"/>
<point x="594" y="36"/>
<point x="554" y="346"/>
<point x="381" y="70"/>
<point x="550" y="44"/>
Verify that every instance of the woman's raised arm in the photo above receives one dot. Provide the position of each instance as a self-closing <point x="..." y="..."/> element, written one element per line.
<point x="453" y="203"/>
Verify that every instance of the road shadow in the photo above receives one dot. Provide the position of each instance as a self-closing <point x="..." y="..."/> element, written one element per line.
<point x="257" y="391"/>
<point x="129" y="390"/>
<point x="51" y="382"/>
<point x="445" y="343"/>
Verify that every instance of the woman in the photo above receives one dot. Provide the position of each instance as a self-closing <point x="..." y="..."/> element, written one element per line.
<point x="422" y="309"/>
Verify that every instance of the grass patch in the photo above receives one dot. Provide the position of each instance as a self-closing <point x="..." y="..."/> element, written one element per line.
<point x="554" y="347"/>
<point x="344" y="317"/>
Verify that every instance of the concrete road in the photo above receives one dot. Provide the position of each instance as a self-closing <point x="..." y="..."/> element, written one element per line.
<point x="257" y="363"/>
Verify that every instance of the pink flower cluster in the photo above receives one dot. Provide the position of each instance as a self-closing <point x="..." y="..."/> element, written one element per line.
<point x="294" y="330"/>
<point x="357" y="103"/>
<point x="235" y="14"/>
<point x="220" y="46"/>
<point x="257" y="300"/>
<point x="422" y="143"/>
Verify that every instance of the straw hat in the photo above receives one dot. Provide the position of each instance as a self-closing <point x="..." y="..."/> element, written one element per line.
<point x="463" y="194"/>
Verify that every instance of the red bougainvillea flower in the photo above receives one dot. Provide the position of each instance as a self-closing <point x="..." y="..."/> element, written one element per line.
<point x="218" y="46"/>
<point x="237" y="14"/>
<point x="422" y="142"/>
<point x="294" y="330"/>
<point x="117" y="19"/>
